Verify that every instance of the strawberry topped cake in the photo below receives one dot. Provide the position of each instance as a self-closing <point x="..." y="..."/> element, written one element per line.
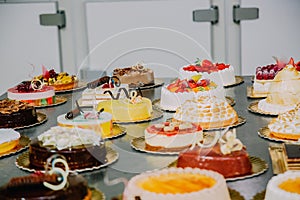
<point x="220" y="73"/>
<point x="264" y="75"/>
<point x="180" y="90"/>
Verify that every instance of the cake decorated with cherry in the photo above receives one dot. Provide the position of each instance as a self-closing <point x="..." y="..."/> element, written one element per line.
<point x="176" y="93"/>
<point x="171" y="136"/>
<point x="221" y="73"/>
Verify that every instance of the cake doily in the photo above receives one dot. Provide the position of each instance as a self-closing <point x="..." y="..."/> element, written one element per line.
<point x="23" y="144"/>
<point x="156" y="102"/>
<point x="117" y="131"/>
<point x="23" y="162"/>
<point x="266" y="133"/>
<point x="41" y="118"/>
<point x="253" y="107"/>
<point x="259" y="166"/>
<point x="238" y="80"/>
<point x="260" y="196"/>
<point x="58" y="101"/>
<point x="251" y="94"/>
<point x="80" y="86"/>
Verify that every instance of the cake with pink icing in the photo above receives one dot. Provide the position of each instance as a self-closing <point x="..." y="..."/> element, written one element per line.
<point x="221" y="73"/>
<point x="177" y="184"/>
<point x="34" y="93"/>
<point x="176" y="93"/>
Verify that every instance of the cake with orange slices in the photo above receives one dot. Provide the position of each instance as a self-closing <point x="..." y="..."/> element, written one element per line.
<point x="284" y="186"/>
<point x="177" y="184"/>
<point x="208" y="111"/>
<point x="171" y="136"/>
<point x="180" y="90"/>
<point x="9" y="139"/>
<point x="221" y="73"/>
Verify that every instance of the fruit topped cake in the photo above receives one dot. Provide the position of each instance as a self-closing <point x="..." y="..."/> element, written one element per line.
<point x="284" y="92"/>
<point x="177" y="184"/>
<point x="60" y="81"/>
<point x="33" y="92"/>
<point x="222" y="74"/>
<point x="265" y="75"/>
<point x="9" y="139"/>
<point x="180" y="90"/>
<point x="227" y="157"/>
<point x="137" y="75"/>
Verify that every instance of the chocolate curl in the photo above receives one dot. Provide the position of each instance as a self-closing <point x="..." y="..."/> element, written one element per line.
<point x="140" y="91"/>
<point x="98" y="82"/>
<point x="75" y="112"/>
<point x="118" y="94"/>
<point x="115" y="80"/>
<point x="100" y="111"/>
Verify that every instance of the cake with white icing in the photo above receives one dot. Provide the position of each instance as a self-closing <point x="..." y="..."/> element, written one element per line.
<point x="9" y="139"/>
<point x="220" y="73"/>
<point x="176" y="93"/>
<point x="177" y="184"/>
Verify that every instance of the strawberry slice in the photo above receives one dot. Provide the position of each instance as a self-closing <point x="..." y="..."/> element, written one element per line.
<point x="207" y="63"/>
<point x="192" y="83"/>
<point x="291" y="62"/>
<point x="190" y="68"/>
<point x="46" y="73"/>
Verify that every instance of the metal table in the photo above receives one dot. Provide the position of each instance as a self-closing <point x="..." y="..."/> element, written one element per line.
<point x="132" y="162"/>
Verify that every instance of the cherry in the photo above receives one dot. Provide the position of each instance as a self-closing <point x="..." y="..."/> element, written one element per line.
<point x="259" y="75"/>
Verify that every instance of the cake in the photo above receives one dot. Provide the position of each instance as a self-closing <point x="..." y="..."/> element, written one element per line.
<point x="55" y="183"/>
<point x="134" y="108"/>
<point x="264" y="75"/>
<point x="227" y="157"/>
<point x="180" y="90"/>
<point x="284" y="186"/>
<point x="286" y="125"/>
<point x="208" y="111"/>
<point x="101" y="123"/>
<point x="60" y="81"/>
<point x="177" y="184"/>
<point x="284" y="93"/>
<point x="34" y="93"/>
<point x="171" y="136"/>
<point x="221" y="73"/>
<point x="136" y="75"/>
<point x="82" y="148"/>
<point x="9" y="139"/>
<point x="15" y="114"/>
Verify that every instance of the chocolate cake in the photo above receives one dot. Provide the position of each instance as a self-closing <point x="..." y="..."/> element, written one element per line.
<point x="32" y="187"/>
<point x="15" y="113"/>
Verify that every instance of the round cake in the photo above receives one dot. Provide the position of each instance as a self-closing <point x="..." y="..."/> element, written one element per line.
<point x="177" y="92"/>
<point x="136" y="75"/>
<point x="32" y="187"/>
<point x="41" y="96"/>
<point x="171" y="136"/>
<point x="220" y="73"/>
<point x="177" y="184"/>
<point x="286" y="125"/>
<point x="82" y="148"/>
<point x="100" y="123"/>
<point x="284" y="93"/>
<point x="126" y="110"/>
<point x="15" y="114"/>
<point x="227" y="157"/>
<point x="208" y="111"/>
<point x="284" y="186"/>
<point x="9" y="139"/>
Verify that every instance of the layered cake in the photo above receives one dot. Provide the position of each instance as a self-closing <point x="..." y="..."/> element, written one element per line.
<point x="222" y="74"/>
<point x="284" y="93"/>
<point x="284" y="186"/>
<point x="34" y="93"/>
<point x="177" y="184"/>
<point x="101" y="123"/>
<point x="9" y="139"/>
<point x="227" y="157"/>
<point x="82" y="148"/>
<point x="177" y="92"/>
<point x="286" y="125"/>
<point x="171" y="136"/>
<point x="137" y="75"/>
<point x="264" y="75"/>
<point x="134" y="108"/>
<point x="15" y="114"/>
<point x="208" y="111"/>
<point x="60" y="81"/>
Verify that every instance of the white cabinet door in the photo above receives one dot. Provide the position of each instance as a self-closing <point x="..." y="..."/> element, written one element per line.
<point x="25" y="43"/>
<point x="161" y="34"/>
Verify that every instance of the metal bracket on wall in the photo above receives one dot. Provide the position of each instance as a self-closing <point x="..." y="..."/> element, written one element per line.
<point x="209" y="15"/>
<point x="244" y="13"/>
<point x="58" y="19"/>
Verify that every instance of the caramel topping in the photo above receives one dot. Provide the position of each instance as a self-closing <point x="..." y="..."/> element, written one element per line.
<point x="9" y="106"/>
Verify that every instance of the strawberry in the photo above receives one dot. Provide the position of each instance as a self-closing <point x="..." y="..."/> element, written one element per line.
<point x="221" y="66"/>
<point x="190" y="68"/>
<point x="297" y="65"/>
<point x="192" y="83"/>
<point x="206" y="63"/>
<point x="291" y="61"/>
<point x="46" y="73"/>
<point x="203" y="83"/>
<point x="105" y="85"/>
<point x="166" y="123"/>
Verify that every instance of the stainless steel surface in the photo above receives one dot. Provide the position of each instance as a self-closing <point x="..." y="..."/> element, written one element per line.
<point x="132" y="162"/>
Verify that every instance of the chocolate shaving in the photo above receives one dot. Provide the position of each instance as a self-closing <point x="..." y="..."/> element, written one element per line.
<point x="32" y="179"/>
<point x="98" y="82"/>
<point x="75" y="112"/>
